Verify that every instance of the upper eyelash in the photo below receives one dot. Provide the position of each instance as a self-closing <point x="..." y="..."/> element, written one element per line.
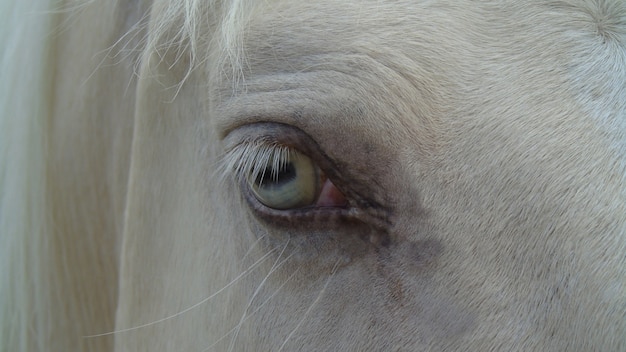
<point x="250" y="160"/>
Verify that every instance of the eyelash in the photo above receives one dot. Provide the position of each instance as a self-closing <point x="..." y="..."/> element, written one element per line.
<point x="249" y="159"/>
<point x="282" y="178"/>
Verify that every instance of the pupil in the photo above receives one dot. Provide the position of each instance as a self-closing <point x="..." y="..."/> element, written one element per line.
<point x="269" y="177"/>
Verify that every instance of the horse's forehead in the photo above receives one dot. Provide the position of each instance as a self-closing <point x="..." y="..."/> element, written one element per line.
<point x="426" y="61"/>
<point x="385" y="70"/>
<point x="351" y="67"/>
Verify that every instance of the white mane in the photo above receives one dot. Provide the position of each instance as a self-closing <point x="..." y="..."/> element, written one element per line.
<point x="25" y="98"/>
<point x="28" y="29"/>
<point x="181" y="26"/>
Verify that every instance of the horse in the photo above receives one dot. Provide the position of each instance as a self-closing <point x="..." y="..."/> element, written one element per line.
<point x="371" y="175"/>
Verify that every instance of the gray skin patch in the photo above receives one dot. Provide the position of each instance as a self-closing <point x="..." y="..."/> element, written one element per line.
<point x="406" y="268"/>
<point x="406" y="259"/>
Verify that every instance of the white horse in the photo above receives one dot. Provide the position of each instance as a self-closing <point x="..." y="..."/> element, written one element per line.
<point x="365" y="175"/>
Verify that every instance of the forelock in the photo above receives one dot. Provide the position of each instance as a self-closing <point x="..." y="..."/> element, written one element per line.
<point x="201" y="30"/>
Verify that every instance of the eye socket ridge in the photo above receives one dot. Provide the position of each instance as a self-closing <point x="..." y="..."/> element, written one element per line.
<point x="285" y="176"/>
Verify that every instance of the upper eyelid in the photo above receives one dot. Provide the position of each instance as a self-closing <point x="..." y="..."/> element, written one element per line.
<point x="291" y="137"/>
<point x="272" y="134"/>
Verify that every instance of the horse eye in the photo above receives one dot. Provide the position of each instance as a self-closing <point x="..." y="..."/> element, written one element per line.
<point x="290" y="183"/>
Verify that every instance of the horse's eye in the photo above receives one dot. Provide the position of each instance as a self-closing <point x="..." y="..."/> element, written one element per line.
<point x="279" y="169"/>
<point x="293" y="181"/>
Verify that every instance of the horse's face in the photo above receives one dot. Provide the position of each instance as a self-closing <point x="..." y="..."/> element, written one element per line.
<point x="476" y="154"/>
